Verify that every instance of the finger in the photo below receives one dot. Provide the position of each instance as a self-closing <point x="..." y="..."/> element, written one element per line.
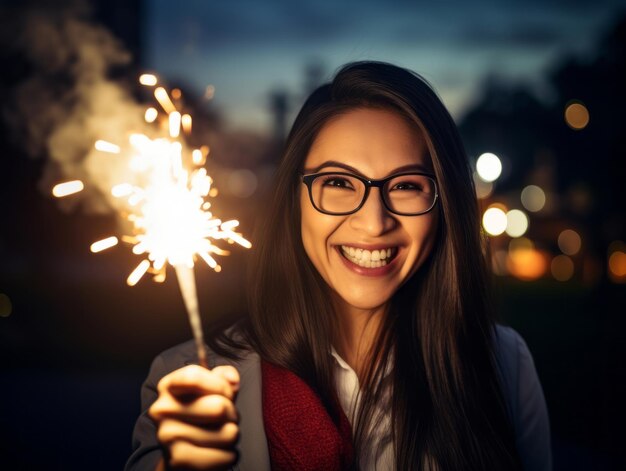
<point x="230" y="374"/>
<point x="208" y="409"/>
<point x="194" y="379"/>
<point x="194" y="457"/>
<point x="223" y="436"/>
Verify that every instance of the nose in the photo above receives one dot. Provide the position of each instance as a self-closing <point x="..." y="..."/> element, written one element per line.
<point x="373" y="219"/>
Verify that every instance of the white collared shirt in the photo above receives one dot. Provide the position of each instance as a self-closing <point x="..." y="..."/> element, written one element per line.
<point x="379" y="455"/>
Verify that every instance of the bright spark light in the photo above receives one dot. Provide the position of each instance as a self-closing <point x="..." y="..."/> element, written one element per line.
<point x="151" y="115"/>
<point x="104" y="244"/>
<point x="104" y="146"/>
<point x="67" y="188"/>
<point x="175" y="124"/>
<point x="148" y="79"/>
<point x="186" y="122"/>
<point x="164" y="99"/>
<point x="165" y="191"/>
<point x="172" y="223"/>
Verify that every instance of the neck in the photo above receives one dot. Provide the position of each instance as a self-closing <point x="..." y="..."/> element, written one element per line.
<point x="356" y="334"/>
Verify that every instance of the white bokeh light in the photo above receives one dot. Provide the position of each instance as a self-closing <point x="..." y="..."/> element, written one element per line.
<point x="488" y="167"/>
<point x="533" y="198"/>
<point x="494" y="221"/>
<point x="242" y="183"/>
<point x="517" y="223"/>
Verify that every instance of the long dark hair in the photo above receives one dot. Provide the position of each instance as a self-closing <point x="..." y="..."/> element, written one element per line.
<point x="448" y="409"/>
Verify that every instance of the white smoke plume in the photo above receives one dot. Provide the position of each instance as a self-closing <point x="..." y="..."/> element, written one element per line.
<point x="68" y="99"/>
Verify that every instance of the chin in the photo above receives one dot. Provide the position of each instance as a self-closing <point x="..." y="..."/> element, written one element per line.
<point x="367" y="303"/>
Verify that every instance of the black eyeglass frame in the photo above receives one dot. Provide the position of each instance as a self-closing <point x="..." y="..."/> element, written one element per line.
<point x="308" y="179"/>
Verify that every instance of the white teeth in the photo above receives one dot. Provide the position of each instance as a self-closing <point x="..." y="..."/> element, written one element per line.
<point x="366" y="258"/>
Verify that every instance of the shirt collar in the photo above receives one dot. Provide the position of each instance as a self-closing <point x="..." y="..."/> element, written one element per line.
<point x="344" y="365"/>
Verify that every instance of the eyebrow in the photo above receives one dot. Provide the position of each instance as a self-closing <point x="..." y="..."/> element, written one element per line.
<point x="334" y="163"/>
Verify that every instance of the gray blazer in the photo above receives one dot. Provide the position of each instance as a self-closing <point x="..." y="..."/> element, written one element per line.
<point x="522" y="391"/>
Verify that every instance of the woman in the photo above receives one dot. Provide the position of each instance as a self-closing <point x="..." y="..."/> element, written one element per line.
<point x="370" y="341"/>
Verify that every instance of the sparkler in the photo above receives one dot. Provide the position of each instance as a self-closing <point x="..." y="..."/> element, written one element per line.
<point x="166" y="201"/>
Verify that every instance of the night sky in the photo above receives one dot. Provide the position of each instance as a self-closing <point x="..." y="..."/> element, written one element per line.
<point x="247" y="49"/>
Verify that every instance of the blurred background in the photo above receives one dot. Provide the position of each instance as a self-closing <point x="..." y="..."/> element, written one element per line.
<point x="537" y="88"/>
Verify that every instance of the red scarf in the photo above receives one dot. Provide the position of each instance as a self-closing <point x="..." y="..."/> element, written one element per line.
<point x="301" y="433"/>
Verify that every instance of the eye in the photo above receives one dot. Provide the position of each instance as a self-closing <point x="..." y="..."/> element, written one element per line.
<point x="408" y="186"/>
<point x="337" y="181"/>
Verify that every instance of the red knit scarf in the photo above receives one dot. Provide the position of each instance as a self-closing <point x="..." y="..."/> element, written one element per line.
<point x="301" y="433"/>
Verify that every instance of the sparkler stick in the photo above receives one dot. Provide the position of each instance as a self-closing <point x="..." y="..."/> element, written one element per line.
<point x="187" y="283"/>
<point x="165" y="200"/>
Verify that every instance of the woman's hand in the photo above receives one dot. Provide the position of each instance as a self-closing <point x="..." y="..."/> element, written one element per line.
<point x="196" y="417"/>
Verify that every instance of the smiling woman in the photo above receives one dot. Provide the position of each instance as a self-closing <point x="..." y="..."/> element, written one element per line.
<point x="370" y="342"/>
<point x="345" y="228"/>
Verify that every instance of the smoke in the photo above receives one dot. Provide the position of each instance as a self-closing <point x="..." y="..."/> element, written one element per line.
<point x="65" y="99"/>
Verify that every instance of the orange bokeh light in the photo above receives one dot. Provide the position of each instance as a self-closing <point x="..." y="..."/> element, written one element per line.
<point x="617" y="264"/>
<point x="577" y="116"/>
<point x="527" y="263"/>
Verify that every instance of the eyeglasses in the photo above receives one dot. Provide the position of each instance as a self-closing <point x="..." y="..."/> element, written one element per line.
<point x="340" y="193"/>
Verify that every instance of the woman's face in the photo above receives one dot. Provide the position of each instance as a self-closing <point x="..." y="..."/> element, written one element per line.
<point x="375" y="143"/>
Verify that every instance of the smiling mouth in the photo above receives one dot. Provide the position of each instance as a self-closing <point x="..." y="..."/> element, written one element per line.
<point x="368" y="258"/>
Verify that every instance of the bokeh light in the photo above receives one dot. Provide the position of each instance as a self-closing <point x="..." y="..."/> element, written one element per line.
<point x="483" y="189"/>
<point x="562" y="267"/>
<point x="176" y="93"/>
<point x="569" y="242"/>
<point x="527" y="263"/>
<point x="242" y="183"/>
<point x="521" y="243"/>
<point x="516" y="223"/>
<point x="488" y="167"/>
<point x="576" y="116"/>
<point x="494" y="221"/>
<point x="617" y="263"/>
<point x="533" y="198"/>
<point x="5" y="305"/>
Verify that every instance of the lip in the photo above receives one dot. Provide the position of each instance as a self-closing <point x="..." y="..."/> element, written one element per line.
<point x="359" y="270"/>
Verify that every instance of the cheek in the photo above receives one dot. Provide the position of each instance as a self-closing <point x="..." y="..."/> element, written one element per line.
<point x="316" y="228"/>
<point x="426" y="232"/>
<point x="312" y="237"/>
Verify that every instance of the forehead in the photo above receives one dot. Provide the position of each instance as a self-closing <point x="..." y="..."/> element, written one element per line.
<point x="374" y="141"/>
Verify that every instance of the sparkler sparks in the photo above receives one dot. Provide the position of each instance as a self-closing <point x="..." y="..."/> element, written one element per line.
<point x="165" y="197"/>
<point x="67" y="188"/>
